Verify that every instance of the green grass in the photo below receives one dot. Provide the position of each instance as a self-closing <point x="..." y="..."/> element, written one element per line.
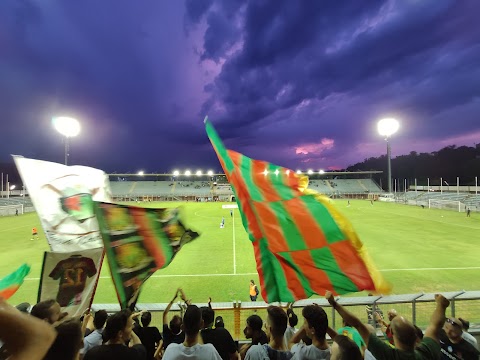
<point x="418" y="250"/>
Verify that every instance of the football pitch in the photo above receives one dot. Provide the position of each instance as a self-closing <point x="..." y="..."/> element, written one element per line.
<point x="417" y="250"/>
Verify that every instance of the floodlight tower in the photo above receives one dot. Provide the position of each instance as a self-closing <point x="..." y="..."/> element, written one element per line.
<point x="387" y="127"/>
<point x="68" y="127"/>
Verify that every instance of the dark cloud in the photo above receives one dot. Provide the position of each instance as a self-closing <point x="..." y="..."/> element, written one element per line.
<point x="295" y="82"/>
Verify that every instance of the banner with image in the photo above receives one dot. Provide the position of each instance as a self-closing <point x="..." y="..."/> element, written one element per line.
<point x="70" y="278"/>
<point x="63" y="197"/>
<point x="138" y="241"/>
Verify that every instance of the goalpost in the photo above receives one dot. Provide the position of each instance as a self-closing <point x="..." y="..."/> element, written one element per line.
<point x="9" y="210"/>
<point x="447" y="205"/>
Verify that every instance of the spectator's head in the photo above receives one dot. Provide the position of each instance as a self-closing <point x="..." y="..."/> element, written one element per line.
<point x="100" y="319"/>
<point x="316" y="322"/>
<point x="252" y="282"/>
<point x="292" y="318"/>
<point x="68" y="342"/>
<point x="404" y="333"/>
<point x="219" y="322"/>
<point x="343" y="348"/>
<point x="192" y="320"/>
<point x="48" y="310"/>
<point x="465" y="323"/>
<point x="23" y="307"/>
<point x="276" y="323"/>
<point x="119" y="327"/>
<point x="146" y="318"/>
<point x="176" y="324"/>
<point x="254" y="326"/>
<point x="391" y="314"/>
<point x="208" y="316"/>
<point x="453" y="328"/>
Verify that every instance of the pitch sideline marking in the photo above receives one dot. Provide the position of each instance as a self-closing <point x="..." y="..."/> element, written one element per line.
<point x="245" y="274"/>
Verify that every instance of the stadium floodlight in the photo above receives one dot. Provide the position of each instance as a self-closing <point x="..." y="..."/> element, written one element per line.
<point x="68" y="127"/>
<point x="299" y="172"/>
<point x="210" y="173"/>
<point x="12" y="187"/>
<point x="176" y="173"/>
<point x="140" y="173"/>
<point x="287" y="172"/>
<point x="199" y="173"/>
<point x="310" y="172"/>
<point x="265" y="172"/>
<point x="188" y="173"/>
<point x="276" y="172"/>
<point x="321" y="171"/>
<point x="387" y="127"/>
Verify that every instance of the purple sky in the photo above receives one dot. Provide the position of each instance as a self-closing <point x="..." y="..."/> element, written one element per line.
<point x="298" y="83"/>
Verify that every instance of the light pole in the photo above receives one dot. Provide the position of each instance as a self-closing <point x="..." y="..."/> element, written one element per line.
<point x="68" y="127"/>
<point x="388" y="127"/>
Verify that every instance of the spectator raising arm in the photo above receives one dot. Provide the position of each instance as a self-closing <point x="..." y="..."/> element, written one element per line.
<point x="349" y="317"/>
<point x="438" y="317"/>
<point x="167" y="309"/>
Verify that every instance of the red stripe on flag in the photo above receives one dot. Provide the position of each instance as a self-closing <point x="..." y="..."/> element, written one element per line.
<point x="308" y="227"/>
<point x="271" y="227"/>
<point x="263" y="182"/>
<point x="352" y="265"/>
<point x="149" y="239"/>
<point x="293" y="282"/>
<point x="7" y="293"/>
<point x="292" y="181"/>
<point x="318" y="279"/>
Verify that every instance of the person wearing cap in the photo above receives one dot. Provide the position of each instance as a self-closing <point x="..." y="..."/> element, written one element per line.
<point x="191" y="348"/>
<point x="219" y="337"/>
<point x="454" y="346"/>
<point x="466" y="335"/>
<point x="253" y="330"/>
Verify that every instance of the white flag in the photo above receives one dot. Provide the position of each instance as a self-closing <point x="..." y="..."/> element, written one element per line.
<point x="70" y="278"/>
<point x="63" y="198"/>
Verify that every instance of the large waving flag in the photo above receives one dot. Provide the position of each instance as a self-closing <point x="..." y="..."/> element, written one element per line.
<point x="10" y="283"/>
<point x="63" y="198"/>
<point x="138" y="241"/>
<point x="302" y="244"/>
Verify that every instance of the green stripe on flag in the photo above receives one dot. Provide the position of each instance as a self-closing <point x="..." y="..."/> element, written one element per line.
<point x="278" y="182"/>
<point x="324" y="219"/>
<point x="246" y="173"/>
<point x="324" y="260"/>
<point x="301" y="276"/>
<point x="274" y="277"/>
<point x="218" y="144"/>
<point x="290" y="231"/>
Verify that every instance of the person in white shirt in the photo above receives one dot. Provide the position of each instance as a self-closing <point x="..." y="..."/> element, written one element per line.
<point x="190" y="348"/>
<point x="315" y="327"/>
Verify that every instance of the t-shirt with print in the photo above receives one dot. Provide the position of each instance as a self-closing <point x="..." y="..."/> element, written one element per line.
<point x="462" y="350"/>
<point x="428" y="349"/>
<point x="169" y="337"/>
<point x="302" y="351"/>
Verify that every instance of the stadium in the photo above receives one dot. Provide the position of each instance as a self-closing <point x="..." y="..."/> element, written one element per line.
<point x="430" y="226"/>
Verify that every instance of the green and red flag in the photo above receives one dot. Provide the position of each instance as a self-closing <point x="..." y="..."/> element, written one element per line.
<point x="302" y="244"/>
<point x="10" y="283"/>
<point x="138" y="241"/>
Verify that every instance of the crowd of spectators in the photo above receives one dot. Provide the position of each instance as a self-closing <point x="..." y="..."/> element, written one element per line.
<point x="48" y="333"/>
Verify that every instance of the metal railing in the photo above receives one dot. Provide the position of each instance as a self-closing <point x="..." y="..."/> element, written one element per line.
<point x="416" y="307"/>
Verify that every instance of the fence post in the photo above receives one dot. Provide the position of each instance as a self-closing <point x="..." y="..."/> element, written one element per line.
<point x="414" y="311"/>
<point x="236" y="318"/>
